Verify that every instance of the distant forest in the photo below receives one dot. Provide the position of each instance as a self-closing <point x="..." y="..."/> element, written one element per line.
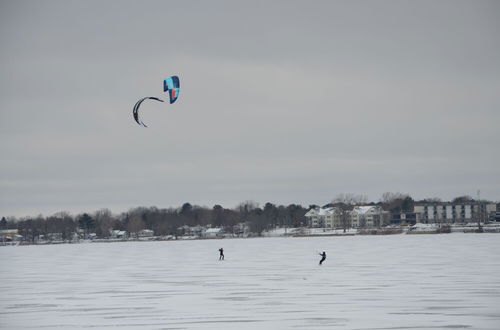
<point x="167" y="221"/>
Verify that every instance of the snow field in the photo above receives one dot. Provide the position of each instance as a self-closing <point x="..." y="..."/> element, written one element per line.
<point x="367" y="282"/>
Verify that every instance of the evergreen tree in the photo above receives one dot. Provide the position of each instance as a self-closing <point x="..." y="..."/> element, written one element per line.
<point x="87" y="223"/>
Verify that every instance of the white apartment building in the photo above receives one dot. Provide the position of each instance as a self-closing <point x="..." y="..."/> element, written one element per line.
<point x="369" y="216"/>
<point x="360" y="216"/>
<point x="316" y="217"/>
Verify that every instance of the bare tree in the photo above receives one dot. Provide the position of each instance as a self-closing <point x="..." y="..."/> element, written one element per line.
<point x="389" y="197"/>
<point x="432" y="200"/>
<point x="135" y="224"/>
<point x="396" y="202"/>
<point x="463" y="199"/>
<point x="478" y="214"/>
<point x="350" y="199"/>
<point x="246" y="208"/>
<point x="104" y="222"/>
<point x="344" y="204"/>
<point x="64" y="224"/>
<point x="343" y="212"/>
<point x="257" y="222"/>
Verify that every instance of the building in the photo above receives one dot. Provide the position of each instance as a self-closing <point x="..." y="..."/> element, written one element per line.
<point x="145" y="233"/>
<point x="118" y="234"/>
<point x="214" y="233"/>
<point x="359" y="216"/>
<point x="448" y="212"/>
<point x="316" y="217"/>
<point x="10" y="235"/>
<point x="332" y="218"/>
<point x="369" y="216"/>
<point x="404" y="218"/>
<point x="55" y="237"/>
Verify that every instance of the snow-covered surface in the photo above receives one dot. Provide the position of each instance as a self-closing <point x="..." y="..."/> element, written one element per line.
<point x="424" y="227"/>
<point x="329" y="231"/>
<point x="367" y="282"/>
<point x="213" y="230"/>
<point x="276" y="232"/>
<point x="279" y="231"/>
<point x="363" y="209"/>
<point x="320" y="211"/>
<point x="325" y="211"/>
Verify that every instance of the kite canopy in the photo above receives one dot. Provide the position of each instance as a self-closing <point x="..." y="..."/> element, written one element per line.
<point x="172" y="85"/>
<point x="138" y="104"/>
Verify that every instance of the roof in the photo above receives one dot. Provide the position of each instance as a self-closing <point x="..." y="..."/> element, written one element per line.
<point x="364" y="209"/>
<point x="320" y="211"/>
<point x="8" y="231"/>
<point x="325" y="211"/>
<point x="119" y="232"/>
<point x="213" y="230"/>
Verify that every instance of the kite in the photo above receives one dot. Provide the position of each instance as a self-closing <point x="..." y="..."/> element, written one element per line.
<point x="172" y="85"/>
<point x="138" y="104"/>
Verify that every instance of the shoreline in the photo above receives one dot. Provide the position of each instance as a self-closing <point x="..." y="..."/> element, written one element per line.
<point x="424" y="229"/>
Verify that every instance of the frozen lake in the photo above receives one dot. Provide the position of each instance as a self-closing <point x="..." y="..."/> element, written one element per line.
<point x="367" y="282"/>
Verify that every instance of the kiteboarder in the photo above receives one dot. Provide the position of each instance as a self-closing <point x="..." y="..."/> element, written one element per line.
<point x="221" y="254"/>
<point x="323" y="257"/>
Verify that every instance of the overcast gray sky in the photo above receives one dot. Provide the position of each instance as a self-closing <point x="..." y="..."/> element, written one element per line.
<point x="281" y="101"/>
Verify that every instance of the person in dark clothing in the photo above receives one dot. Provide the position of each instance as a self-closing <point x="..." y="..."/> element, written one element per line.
<point x="323" y="257"/>
<point x="221" y="254"/>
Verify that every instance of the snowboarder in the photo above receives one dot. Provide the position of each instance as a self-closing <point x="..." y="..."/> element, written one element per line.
<point x="221" y="254"/>
<point x="323" y="257"/>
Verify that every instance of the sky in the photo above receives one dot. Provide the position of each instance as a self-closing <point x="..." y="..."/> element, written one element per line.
<point x="281" y="101"/>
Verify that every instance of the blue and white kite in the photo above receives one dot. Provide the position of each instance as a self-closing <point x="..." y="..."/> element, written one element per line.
<point x="172" y="85"/>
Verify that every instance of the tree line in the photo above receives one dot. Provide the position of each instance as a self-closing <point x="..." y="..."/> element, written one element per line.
<point x="167" y="221"/>
<point x="163" y="221"/>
